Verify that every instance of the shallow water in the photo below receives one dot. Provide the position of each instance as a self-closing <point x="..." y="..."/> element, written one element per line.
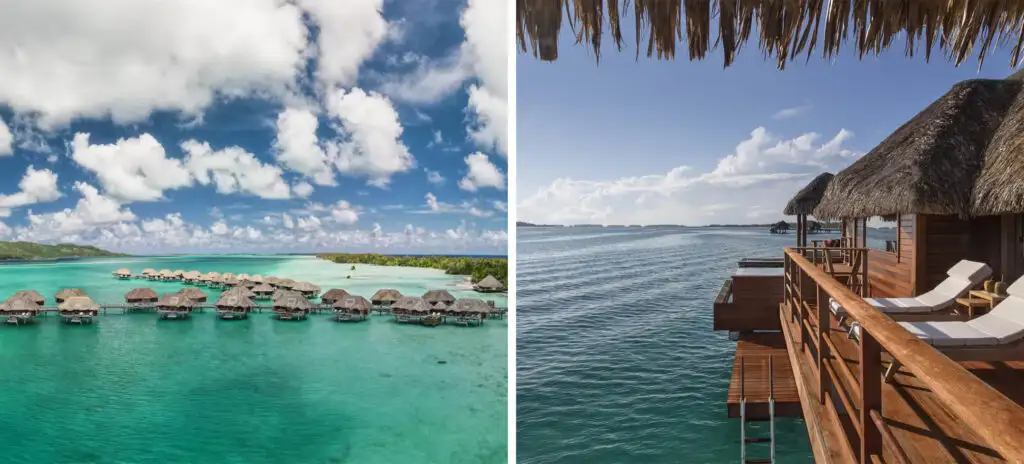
<point x="616" y="359"/>
<point x="132" y="389"/>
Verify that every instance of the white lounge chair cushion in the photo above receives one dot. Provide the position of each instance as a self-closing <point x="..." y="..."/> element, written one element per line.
<point x="946" y="292"/>
<point x="888" y="305"/>
<point x="1003" y="330"/>
<point x="1011" y="309"/>
<point x="949" y="333"/>
<point x="970" y="270"/>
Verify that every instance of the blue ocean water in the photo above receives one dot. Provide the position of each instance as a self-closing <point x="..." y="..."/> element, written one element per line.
<point x="616" y="357"/>
<point x="132" y="389"/>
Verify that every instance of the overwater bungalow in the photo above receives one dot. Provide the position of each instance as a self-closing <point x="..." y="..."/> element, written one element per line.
<point x="285" y="283"/>
<point x="174" y="306"/>
<point x="273" y="281"/>
<point x="141" y="298"/>
<point x="241" y="290"/>
<point x="30" y="295"/>
<point x="165" y="274"/>
<point x="191" y="277"/>
<point x="439" y="296"/>
<point x="469" y="311"/>
<point x="307" y="289"/>
<point x="385" y="298"/>
<point x="178" y="274"/>
<point x="228" y="281"/>
<point x="291" y="307"/>
<point x="68" y="293"/>
<point x="234" y="305"/>
<point x="263" y="291"/>
<point x="216" y="282"/>
<point x="149" y="273"/>
<point x="258" y="278"/>
<point x="243" y="276"/>
<point x="194" y="294"/>
<point x="123" y="274"/>
<point x="489" y="284"/>
<point x="352" y="308"/>
<point x="247" y="283"/>
<point x="331" y="296"/>
<point x="283" y="293"/>
<point x="410" y="309"/>
<point x="903" y="352"/>
<point x="78" y="310"/>
<point x="18" y="311"/>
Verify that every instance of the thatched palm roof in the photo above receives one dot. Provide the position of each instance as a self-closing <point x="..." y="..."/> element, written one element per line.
<point x="285" y="283"/>
<point x="68" y="293"/>
<point x="490" y="283"/>
<point x="30" y="295"/>
<point x="263" y="288"/>
<point x="305" y="287"/>
<point x="148" y="271"/>
<point x="334" y="294"/>
<point x="19" y="305"/>
<point x="293" y="302"/>
<point x="123" y="271"/>
<point x="808" y="197"/>
<point x="931" y="163"/>
<point x="258" y="278"/>
<point x="79" y="304"/>
<point x="1000" y="188"/>
<point x="386" y="295"/>
<point x="241" y="291"/>
<point x="470" y="305"/>
<point x="229" y="280"/>
<point x="141" y="294"/>
<point x="786" y="29"/>
<point x="433" y="296"/>
<point x="411" y="303"/>
<point x="234" y="300"/>
<point x="353" y="303"/>
<point x="175" y="300"/>
<point x="284" y="293"/>
<point x="193" y="294"/>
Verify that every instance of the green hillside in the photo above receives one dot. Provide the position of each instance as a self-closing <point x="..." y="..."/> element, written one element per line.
<point x="28" y="250"/>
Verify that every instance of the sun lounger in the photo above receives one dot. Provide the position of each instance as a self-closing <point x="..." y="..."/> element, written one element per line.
<point x="961" y="277"/>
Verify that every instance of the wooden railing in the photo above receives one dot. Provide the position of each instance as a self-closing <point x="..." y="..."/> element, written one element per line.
<point x="980" y="407"/>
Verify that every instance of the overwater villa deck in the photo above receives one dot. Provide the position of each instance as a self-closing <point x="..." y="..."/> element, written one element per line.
<point x="844" y="313"/>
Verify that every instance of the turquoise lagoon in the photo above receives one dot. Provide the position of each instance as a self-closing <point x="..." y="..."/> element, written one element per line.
<point x="132" y="389"/>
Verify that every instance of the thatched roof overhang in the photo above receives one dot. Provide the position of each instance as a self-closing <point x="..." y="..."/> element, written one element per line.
<point x="808" y="197"/>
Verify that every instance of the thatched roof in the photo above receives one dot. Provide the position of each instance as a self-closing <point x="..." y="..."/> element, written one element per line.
<point x="141" y="294"/>
<point x="241" y="291"/>
<point x="334" y="294"/>
<point x="148" y="271"/>
<point x="305" y="287"/>
<point x="808" y="197"/>
<point x="786" y="30"/>
<point x="123" y="271"/>
<point x="490" y="283"/>
<point x="19" y="305"/>
<point x="930" y="164"/>
<point x="263" y="288"/>
<point x="999" y="188"/>
<point x="68" y="293"/>
<point x="229" y="280"/>
<point x="293" y="302"/>
<point x="433" y="296"/>
<point x="258" y="278"/>
<point x="194" y="275"/>
<point x="411" y="303"/>
<point x="386" y="295"/>
<point x="175" y="300"/>
<point x="285" y="283"/>
<point x="193" y="293"/>
<point x="30" y="295"/>
<point x="234" y="300"/>
<point x="353" y="303"/>
<point x="470" y="305"/>
<point x="284" y="293"/>
<point x="79" y="303"/>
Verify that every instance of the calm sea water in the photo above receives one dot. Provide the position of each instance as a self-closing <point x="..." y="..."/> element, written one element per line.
<point x="616" y="359"/>
<point x="132" y="389"/>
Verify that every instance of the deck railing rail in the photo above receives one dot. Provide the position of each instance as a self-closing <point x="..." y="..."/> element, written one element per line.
<point x="993" y="416"/>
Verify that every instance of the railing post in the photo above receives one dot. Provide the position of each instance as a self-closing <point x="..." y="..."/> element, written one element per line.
<point x="800" y="308"/>
<point x="871" y="395"/>
<point x="823" y="327"/>
<point x="865" y="283"/>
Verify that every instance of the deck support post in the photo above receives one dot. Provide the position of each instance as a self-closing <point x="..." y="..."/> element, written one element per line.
<point x="871" y="396"/>
<point x="823" y="327"/>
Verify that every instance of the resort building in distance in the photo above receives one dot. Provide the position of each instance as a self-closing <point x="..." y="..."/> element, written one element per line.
<point x="911" y="352"/>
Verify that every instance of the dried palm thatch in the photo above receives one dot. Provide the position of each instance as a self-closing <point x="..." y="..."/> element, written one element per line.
<point x="193" y="294"/>
<point x="30" y="295"/>
<point x="786" y="28"/>
<point x="68" y="293"/>
<point x="386" y="296"/>
<point x="305" y="287"/>
<point x="263" y="289"/>
<point x="282" y="293"/>
<point x="285" y="283"/>
<point x="470" y="305"/>
<point x="292" y="303"/>
<point x="19" y="305"/>
<point x="353" y="303"/>
<point x="244" y="291"/>
<point x="415" y="304"/>
<point x="233" y="300"/>
<point x="434" y="296"/>
<point x="999" y="188"/>
<point x="175" y="301"/>
<point x="79" y="304"/>
<point x="123" y="271"/>
<point x="930" y="164"/>
<point x="489" y="283"/>
<point x="140" y="295"/>
<point x="808" y="197"/>
<point x="333" y="295"/>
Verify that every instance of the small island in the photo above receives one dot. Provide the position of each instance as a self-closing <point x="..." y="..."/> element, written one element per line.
<point x="476" y="267"/>
<point x="28" y="251"/>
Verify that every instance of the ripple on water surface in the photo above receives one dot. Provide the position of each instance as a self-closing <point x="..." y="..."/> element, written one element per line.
<point x="616" y="359"/>
<point x="131" y="389"/>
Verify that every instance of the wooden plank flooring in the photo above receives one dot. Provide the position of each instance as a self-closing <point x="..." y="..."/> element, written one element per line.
<point x="925" y="430"/>
<point x="753" y="350"/>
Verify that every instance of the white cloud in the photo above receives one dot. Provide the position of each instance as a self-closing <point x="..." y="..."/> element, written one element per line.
<point x="124" y="58"/>
<point x="372" y="144"/>
<point x="434" y="177"/>
<point x="297" y="147"/>
<point x="135" y="169"/>
<point x="500" y="206"/>
<point x="92" y="210"/>
<point x="482" y="173"/>
<point x="432" y="202"/>
<point x="6" y="139"/>
<point x="36" y="186"/>
<point x="303" y="189"/>
<point x="287" y="221"/>
<point x="349" y="31"/>
<point x="234" y="170"/>
<point x="486" y="50"/>
<point x="219" y="228"/>
<point x="787" y="113"/>
<point x="431" y="80"/>
<point x="480" y="213"/>
<point x="344" y="213"/>
<point x="764" y="169"/>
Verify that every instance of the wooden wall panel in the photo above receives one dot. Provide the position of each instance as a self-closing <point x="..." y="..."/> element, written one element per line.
<point x="950" y="239"/>
<point x="889" y="277"/>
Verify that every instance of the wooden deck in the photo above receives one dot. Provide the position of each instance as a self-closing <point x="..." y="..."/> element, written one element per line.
<point x="925" y="430"/>
<point x="751" y="377"/>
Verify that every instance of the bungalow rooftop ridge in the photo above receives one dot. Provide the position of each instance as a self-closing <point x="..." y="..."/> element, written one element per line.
<point x="868" y="342"/>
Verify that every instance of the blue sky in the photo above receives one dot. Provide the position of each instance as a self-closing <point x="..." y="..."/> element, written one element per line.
<point x="652" y="142"/>
<point x="375" y="126"/>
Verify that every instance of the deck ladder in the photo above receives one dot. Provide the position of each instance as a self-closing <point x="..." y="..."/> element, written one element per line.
<point x="770" y="439"/>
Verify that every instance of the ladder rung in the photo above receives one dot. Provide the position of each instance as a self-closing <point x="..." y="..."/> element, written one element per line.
<point x="758" y="440"/>
<point x="758" y="461"/>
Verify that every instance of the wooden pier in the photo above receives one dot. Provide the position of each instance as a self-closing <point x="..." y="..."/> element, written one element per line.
<point x="760" y="370"/>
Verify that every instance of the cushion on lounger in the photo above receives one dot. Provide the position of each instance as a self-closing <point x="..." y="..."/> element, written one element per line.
<point x="970" y="270"/>
<point x="1016" y="288"/>
<point x="887" y="305"/>
<point x="949" y="334"/>
<point x="1003" y="330"/>
<point x="946" y="292"/>
<point x="1011" y="309"/>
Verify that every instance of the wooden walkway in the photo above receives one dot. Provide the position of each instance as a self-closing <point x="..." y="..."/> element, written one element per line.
<point x="924" y="429"/>
<point x="751" y="377"/>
